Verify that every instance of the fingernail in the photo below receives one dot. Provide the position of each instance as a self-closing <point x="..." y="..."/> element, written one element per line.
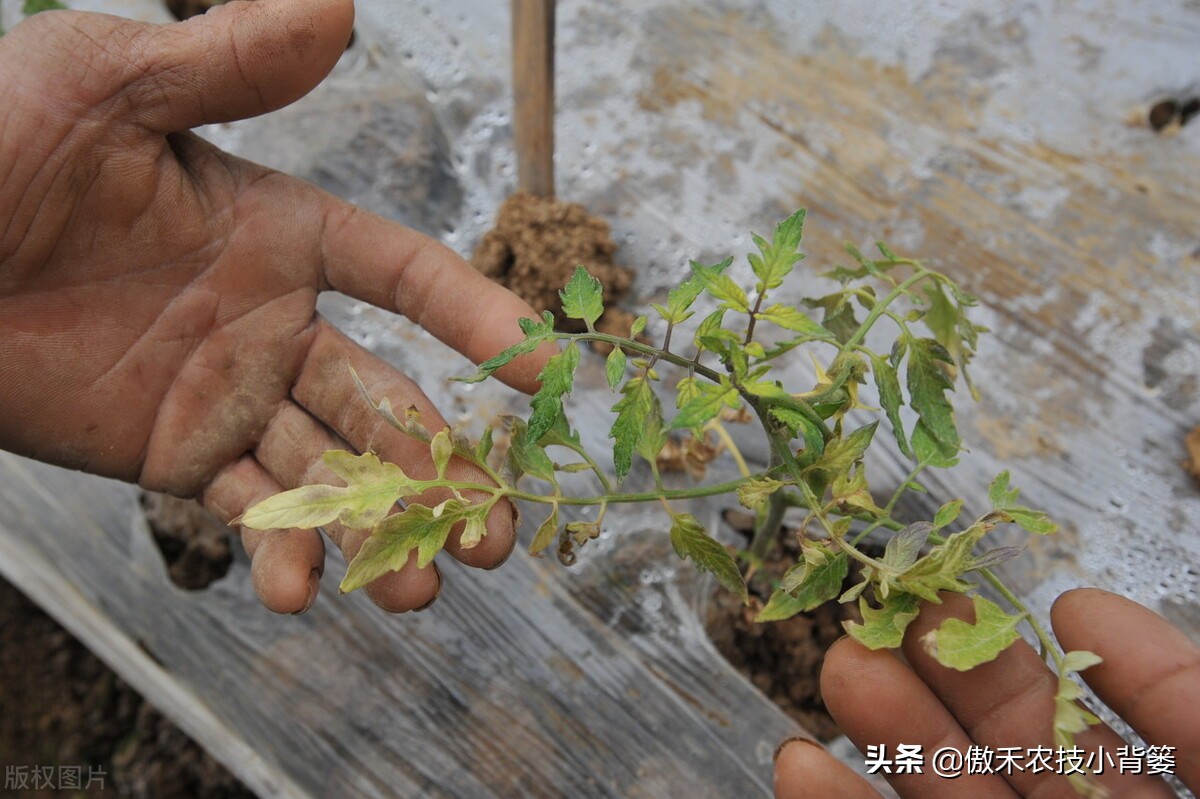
<point x="314" y="586"/>
<point x="437" y="592"/>
<point x="795" y="739"/>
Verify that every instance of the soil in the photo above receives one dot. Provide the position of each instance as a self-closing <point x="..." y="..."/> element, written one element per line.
<point x="533" y="251"/>
<point x="63" y="707"/>
<point x="783" y="659"/>
<point x="1192" y="443"/>
<point x="196" y="547"/>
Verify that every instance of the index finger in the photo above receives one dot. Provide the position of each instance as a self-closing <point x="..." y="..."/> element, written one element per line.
<point x="1151" y="671"/>
<point x="398" y="269"/>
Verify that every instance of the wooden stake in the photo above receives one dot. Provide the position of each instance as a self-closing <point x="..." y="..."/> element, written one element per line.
<point x="533" y="94"/>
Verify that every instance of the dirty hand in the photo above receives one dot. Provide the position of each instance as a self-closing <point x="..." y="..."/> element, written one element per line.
<point x="157" y="296"/>
<point x="1150" y="677"/>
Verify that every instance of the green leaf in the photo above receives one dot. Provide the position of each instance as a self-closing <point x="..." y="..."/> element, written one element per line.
<point x="546" y="531"/>
<point x="842" y="453"/>
<point x="961" y="645"/>
<point x="801" y="425"/>
<point x="614" y="367"/>
<point x="633" y="410"/>
<point x="1004" y="498"/>
<point x="780" y="607"/>
<point x="935" y="434"/>
<point x="721" y="287"/>
<point x="947" y="514"/>
<point x="557" y="377"/>
<point x="690" y="540"/>
<point x="709" y="331"/>
<point x="525" y="456"/>
<point x="780" y="254"/>
<point x="484" y="447"/>
<point x="387" y="549"/>
<point x="704" y="407"/>
<point x="370" y="494"/>
<point x="888" y="385"/>
<point x="535" y="333"/>
<point x="999" y="493"/>
<point x="790" y="318"/>
<point x="883" y="627"/>
<point x="850" y="488"/>
<point x="839" y="315"/>
<point x="31" y="7"/>
<point x="637" y="327"/>
<point x="753" y="493"/>
<point x="560" y="434"/>
<point x="583" y="297"/>
<point x="818" y="577"/>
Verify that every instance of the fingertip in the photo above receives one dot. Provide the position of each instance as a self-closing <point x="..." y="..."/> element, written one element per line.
<point x="408" y="589"/>
<point x="283" y="584"/>
<point x="1069" y="605"/>
<point x="804" y="769"/>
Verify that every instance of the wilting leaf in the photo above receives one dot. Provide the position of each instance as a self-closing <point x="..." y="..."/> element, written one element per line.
<point x="387" y="549"/>
<point x="961" y="645"/>
<point x="903" y="548"/>
<point x="753" y="493"/>
<point x="545" y="534"/>
<point x="690" y="540"/>
<point x="370" y="494"/>
<point x="818" y="578"/>
<point x="883" y="627"/>
<point x="535" y="333"/>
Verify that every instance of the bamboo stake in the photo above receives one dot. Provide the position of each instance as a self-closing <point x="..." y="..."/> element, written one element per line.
<point x="533" y="94"/>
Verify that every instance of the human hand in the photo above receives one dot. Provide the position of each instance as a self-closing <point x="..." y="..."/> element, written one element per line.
<point x="1150" y="677"/>
<point x="157" y="296"/>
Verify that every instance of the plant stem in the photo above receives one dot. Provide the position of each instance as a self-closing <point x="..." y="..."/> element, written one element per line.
<point x="727" y="487"/>
<point x="882" y="305"/>
<point x="644" y="349"/>
<point x="891" y="505"/>
<point x="754" y="316"/>
<point x="767" y="526"/>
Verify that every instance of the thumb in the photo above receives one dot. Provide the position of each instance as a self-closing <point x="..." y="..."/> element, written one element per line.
<point x="239" y="60"/>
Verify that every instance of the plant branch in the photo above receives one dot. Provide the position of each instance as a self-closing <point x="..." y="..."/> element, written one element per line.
<point x="644" y="349"/>
<point x="882" y="305"/>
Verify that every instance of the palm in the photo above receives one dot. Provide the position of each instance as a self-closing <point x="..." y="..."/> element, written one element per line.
<point x="157" y="296"/>
<point x="174" y="345"/>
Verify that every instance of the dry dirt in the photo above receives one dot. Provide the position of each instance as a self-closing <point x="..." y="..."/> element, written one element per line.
<point x="533" y="250"/>
<point x="783" y="659"/>
<point x="63" y="707"/>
